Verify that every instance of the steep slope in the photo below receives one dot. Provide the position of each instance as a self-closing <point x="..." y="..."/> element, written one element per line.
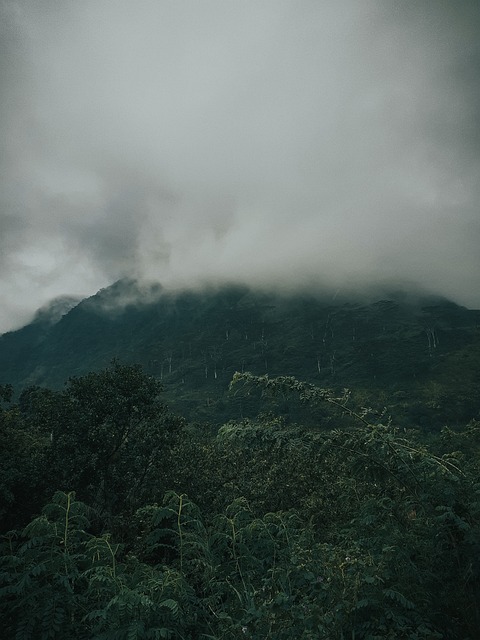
<point x="419" y="358"/>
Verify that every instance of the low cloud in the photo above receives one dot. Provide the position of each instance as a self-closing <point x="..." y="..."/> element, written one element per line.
<point x="276" y="143"/>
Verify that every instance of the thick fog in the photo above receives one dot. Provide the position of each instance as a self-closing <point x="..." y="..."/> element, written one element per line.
<point x="287" y="143"/>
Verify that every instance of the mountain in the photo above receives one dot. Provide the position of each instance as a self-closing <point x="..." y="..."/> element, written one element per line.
<point x="418" y="357"/>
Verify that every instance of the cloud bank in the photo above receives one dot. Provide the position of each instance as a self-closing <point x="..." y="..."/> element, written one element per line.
<point x="286" y="143"/>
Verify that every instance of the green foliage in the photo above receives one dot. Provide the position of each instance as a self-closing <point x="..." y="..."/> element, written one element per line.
<point x="262" y="529"/>
<point x="23" y="448"/>
<point x="6" y="392"/>
<point x="260" y="577"/>
<point x="109" y="433"/>
<point x="41" y="584"/>
<point x="59" y="581"/>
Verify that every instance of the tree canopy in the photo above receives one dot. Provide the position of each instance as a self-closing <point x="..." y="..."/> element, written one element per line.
<point x="124" y="521"/>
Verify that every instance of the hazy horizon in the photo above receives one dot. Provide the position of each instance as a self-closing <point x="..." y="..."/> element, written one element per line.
<point x="286" y="143"/>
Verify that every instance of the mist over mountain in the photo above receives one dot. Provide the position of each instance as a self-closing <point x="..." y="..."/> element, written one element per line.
<point x="53" y="311"/>
<point x="416" y="355"/>
<point x="285" y="194"/>
<point x="282" y="145"/>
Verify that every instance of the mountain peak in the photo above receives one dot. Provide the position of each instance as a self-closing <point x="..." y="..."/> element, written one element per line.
<point x="51" y="312"/>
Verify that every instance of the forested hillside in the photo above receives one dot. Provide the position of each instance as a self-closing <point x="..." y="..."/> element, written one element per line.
<point x="418" y="357"/>
<point x="270" y="467"/>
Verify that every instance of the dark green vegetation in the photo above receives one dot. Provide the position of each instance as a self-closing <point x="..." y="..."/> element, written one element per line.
<point x="418" y="357"/>
<point x="123" y="521"/>
<point x="273" y="508"/>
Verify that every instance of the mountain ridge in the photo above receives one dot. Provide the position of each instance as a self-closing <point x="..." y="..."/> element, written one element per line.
<point x="423" y="348"/>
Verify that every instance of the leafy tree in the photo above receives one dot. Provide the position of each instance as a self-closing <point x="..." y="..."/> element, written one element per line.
<point x="109" y="436"/>
<point x="117" y="435"/>
<point x="413" y="511"/>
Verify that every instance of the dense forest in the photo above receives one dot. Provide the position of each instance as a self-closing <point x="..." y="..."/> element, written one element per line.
<point x="235" y="464"/>
<point x="122" y="520"/>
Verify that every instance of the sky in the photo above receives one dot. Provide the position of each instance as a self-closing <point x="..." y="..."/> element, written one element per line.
<point x="295" y="144"/>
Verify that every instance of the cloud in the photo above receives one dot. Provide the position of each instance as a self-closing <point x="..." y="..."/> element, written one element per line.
<point x="277" y="143"/>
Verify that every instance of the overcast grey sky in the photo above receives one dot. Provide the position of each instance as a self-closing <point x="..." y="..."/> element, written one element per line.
<point x="288" y="142"/>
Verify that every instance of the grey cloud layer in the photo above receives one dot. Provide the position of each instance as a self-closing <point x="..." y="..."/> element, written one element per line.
<point x="279" y="143"/>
